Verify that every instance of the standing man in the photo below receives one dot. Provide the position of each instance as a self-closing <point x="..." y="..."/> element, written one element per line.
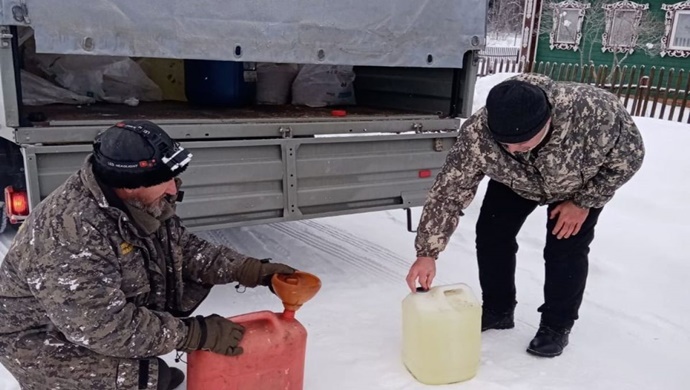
<point x="565" y="145"/>
<point x="102" y="277"/>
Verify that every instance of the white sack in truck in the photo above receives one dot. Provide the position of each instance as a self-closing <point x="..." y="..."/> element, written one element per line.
<point x="37" y="92"/>
<point x="324" y="85"/>
<point x="110" y="79"/>
<point x="274" y="82"/>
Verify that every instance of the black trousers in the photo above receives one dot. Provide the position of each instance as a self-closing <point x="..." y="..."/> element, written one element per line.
<point x="502" y="214"/>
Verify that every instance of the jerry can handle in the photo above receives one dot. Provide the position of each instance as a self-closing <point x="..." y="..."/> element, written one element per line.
<point x="262" y="315"/>
<point x="439" y="293"/>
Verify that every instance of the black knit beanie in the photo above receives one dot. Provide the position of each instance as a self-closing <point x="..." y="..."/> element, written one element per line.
<point x="133" y="154"/>
<point x="516" y="111"/>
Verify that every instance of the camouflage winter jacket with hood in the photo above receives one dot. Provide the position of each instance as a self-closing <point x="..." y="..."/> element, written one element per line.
<point x="591" y="150"/>
<point x="79" y="271"/>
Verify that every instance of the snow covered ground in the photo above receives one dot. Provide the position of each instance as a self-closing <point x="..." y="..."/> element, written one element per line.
<point x="634" y="330"/>
<point x="503" y="40"/>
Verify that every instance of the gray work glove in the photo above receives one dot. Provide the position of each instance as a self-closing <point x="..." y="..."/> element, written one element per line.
<point x="213" y="333"/>
<point x="255" y="272"/>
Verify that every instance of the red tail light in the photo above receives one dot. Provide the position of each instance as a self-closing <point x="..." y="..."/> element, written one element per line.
<point x="17" y="202"/>
<point x="424" y="173"/>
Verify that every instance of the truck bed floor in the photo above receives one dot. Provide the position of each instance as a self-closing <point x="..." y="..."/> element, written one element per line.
<point x="44" y="115"/>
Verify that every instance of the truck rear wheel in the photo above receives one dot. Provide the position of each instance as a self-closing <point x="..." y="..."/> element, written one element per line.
<point x="4" y="221"/>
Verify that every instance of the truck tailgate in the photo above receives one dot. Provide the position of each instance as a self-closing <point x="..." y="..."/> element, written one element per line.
<point x="241" y="182"/>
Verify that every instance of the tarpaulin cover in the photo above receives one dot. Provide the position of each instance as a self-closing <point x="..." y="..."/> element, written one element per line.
<point x="415" y="33"/>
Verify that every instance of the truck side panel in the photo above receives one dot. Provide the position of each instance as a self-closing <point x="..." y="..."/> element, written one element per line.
<point x="447" y="92"/>
<point x="232" y="183"/>
<point x="9" y="110"/>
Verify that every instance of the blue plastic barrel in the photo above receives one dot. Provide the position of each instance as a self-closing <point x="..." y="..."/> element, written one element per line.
<point x="215" y="83"/>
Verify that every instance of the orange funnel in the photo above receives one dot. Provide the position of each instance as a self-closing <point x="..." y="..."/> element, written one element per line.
<point x="295" y="289"/>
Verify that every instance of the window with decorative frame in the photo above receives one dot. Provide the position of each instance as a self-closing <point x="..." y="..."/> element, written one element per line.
<point x="622" y="25"/>
<point x="676" y="39"/>
<point x="566" y="32"/>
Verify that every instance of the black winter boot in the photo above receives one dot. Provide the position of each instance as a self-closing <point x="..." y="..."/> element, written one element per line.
<point x="169" y="378"/>
<point x="549" y="341"/>
<point x="176" y="378"/>
<point x="497" y="320"/>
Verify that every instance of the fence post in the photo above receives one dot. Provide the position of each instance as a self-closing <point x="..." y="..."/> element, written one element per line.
<point x="637" y="104"/>
<point x="602" y="74"/>
<point x="666" y="90"/>
<point x="560" y="72"/>
<point x="685" y="101"/>
<point x="677" y="92"/>
<point x="633" y="72"/>
<point x="657" y="91"/>
<point x="614" y="78"/>
<point x="590" y="71"/>
<point x="648" y="90"/>
<point x="621" y="79"/>
<point x="540" y="67"/>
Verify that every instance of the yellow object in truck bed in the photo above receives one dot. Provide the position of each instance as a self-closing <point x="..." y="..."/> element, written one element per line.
<point x="168" y="73"/>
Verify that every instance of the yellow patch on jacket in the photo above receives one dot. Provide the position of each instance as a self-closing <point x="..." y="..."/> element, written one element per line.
<point x="126" y="248"/>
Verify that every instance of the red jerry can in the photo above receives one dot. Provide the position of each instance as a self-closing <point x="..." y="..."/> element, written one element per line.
<point x="274" y="346"/>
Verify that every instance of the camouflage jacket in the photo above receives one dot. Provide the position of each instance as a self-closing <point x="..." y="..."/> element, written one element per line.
<point x="80" y="267"/>
<point x="593" y="148"/>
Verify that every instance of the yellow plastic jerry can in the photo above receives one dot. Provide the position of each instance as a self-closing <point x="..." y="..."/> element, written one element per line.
<point x="442" y="334"/>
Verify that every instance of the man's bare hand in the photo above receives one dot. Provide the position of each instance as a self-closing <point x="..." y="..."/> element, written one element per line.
<point x="570" y="219"/>
<point x="424" y="270"/>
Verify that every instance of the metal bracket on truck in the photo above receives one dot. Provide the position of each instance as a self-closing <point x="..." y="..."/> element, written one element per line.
<point x="412" y="199"/>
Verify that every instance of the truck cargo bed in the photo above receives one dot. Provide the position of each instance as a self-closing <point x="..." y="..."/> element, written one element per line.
<point x="387" y="100"/>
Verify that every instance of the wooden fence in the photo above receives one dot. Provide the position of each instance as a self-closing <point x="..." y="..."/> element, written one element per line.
<point x="490" y="65"/>
<point x="654" y="92"/>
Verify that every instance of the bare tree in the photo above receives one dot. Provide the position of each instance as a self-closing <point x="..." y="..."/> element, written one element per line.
<point x="505" y="16"/>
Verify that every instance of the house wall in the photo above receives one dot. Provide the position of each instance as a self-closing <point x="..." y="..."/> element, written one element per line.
<point x="638" y="58"/>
